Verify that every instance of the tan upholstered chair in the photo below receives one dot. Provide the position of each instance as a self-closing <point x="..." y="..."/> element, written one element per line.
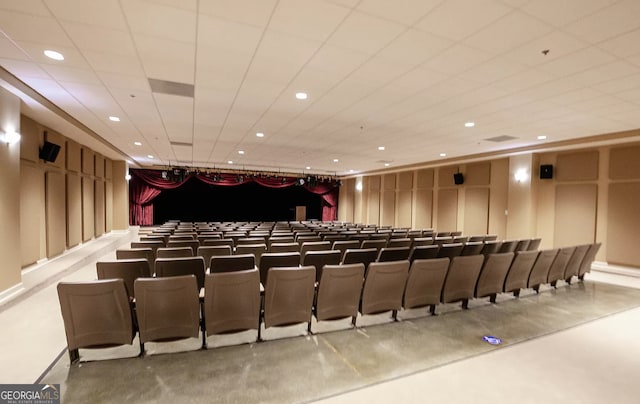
<point x="492" y="275"/>
<point x="421" y="241"/>
<point x="284" y="247"/>
<point x="534" y="244"/>
<point x="321" y="258"/>
<point x="193" y="244"/>
<point x="174" y="252"/>
<point x="219" y="241"/>
<point x="399" y="242"/>
<point x="168" y="309"/>
<point x="383" y="287"/>
<point x="339" y="292"/>
<point x="232" y="301"/>
<point x="425" y="282"/>
<point x="136" y="254"/>
<point x="523" y="245"/>
<point x="519" y="271"/>
<point x="277" y="260"/>
<point x="556" y="272"/>
<point x="393" y="254"/>
<point x="208" y="251"/>
<point x="230" y="263"/>
<point x="344" y="245"/>
<point x="96" y="314"/>
<point x="378" y="244"/>
<point x="573" y="266"/>
<point x="508" y="246"/>
<point x="462" y="276"/>
<point x="590" y="256"/>
<point x="424" y="252"/>
<point x="288" y="296"/>
<point x="491" y="247"/>
<point x="540" y="270"/>
<point x="313" y="246"/>
<point x="450" y="250"/>
<point x="472" y="248"/>
<point x="169" y="267"/>
<point x="154" y="245"/>
<point x="365" y="256"/>
<point x="256" y="249"/>
<point x="127" y="270"/>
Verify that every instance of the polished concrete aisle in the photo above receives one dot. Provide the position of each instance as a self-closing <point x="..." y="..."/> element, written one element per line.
<point x="554" y="345"/>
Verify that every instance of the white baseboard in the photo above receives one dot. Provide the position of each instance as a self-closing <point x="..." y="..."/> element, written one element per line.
<point x="602" y="266"/>
<point x="10" y="293"/>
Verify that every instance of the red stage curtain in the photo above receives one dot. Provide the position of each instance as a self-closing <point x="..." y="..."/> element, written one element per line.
<point x="146" y="185"/>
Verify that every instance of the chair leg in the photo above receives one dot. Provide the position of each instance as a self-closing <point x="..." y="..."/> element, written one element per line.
<point x="353" y="320"/>
<point x="554" y="284"/>
<point x="74" y="356"/>
<point x="394" y="315"/>
<point x="309" y="327"/>
<point x="141" y="354"/>
<point x="536" y="288"/>
<point x="204" y="339"/>
<point x="432" y="309"/>
<point x="492" y="297"/>
<point x="465" y="304"/>
<point x="581" y="277"/>
<point x="516" y="293"/>
<point x="568" y="281"/>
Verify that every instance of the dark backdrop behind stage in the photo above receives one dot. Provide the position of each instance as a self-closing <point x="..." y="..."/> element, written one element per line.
<point x="196" y="201"/>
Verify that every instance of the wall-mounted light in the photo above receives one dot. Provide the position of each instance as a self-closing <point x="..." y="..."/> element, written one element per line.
<point x="359" y="186"/>
<point x="127" y="177"/>
<point x="521" y="175"/>
<point x="10" y="137"/>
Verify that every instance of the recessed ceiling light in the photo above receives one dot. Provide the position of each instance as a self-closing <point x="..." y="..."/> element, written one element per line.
<point x="387" y="164"/>
<point x="469" y="124"/>
<point x="230" y="162"/>
<point x="351" y="171"/>
<point x="240" y="151"/>
<point x="381" y="148"/>
<point x="443" y="154"/>
<point x="114" y="119"/>
<point x="335" y="160"/>
<point x="260" y="134"/>
<point x="307" y="168"/>
<point x="137" y="143"/>
<point x="542" y="137"/>
<point x="301" y="96"/>
<point x="149" y="156"/>
<point x="51" y="54"/>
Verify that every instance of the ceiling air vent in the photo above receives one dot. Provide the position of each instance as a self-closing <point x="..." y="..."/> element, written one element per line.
<point x="503" y="138"/>
<point x="185" y="144"/>
<point x="171" y="88"/>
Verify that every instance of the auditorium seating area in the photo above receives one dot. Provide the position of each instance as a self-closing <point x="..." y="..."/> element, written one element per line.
<point x="184" y="280"/>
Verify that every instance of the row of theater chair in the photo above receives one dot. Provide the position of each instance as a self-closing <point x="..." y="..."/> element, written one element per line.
<point x="100" y="313"/>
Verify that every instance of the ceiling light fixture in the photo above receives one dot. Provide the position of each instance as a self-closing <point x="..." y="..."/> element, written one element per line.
<point x="301" y="96"/>
<point x="51" y="54"/>
<point x="137" y="143"/>
<point x="240" y="151"/>
<point x="381" y="148"/>
<point x="335" y="160"/>
<point x="150" y="156"/>
<point x="542" y="137"/>
<point x="307" y="168"/>
<point x="114" y="119"/>
<point x="230" y="162"/>
<point x="443" y="154"/>
<point x="260" y="134"/>
<point x="469" y="124"/>
<point x="387" y="164"/>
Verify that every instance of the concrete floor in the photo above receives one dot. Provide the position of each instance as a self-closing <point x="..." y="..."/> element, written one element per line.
<point x="579" y="343"/>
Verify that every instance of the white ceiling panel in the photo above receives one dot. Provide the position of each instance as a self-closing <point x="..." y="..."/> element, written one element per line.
<point x="577" y="62"/>
<point x="364" y="33"/>
<point x="166" y="60"/>
<point x="405" y="12"/>
<point x="562" y="12"/>
<point x="457" y="59"/>
<point x="160" y="21"/>
<point x="33" y="28"/>
<point x="98" y="39"/>
<point x="71" y="74"/>
<point x="105" y="13"/>
<point x="558" y="43"/>
<point x="619" y="18"/>
<point x="310" y="19"/>
<point x="256" y="13"/>
<point x="9" y="50"/>
<point x="118" y="64"/>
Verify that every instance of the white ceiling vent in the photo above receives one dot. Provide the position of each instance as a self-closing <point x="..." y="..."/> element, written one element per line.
<point x="498" y="139"/>
<point x="171" y="88"/>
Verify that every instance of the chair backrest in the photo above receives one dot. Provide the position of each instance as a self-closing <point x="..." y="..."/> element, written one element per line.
<point x="440" y="240"/>
<point x="383" y="286"/>
<point x="339" y="291"/>
<point x="256" y="249"/>
<point x="556" y="272"/>
<point x="425" y="281"/>
<point x="374" y="243"/>
<point x="174" y="252"/>
<point x="492" y="275"/>
<point x="540" y="270"/>
<point x="590" y="256"/>
<point x="281" y="239"/>
<point x="359" y="255"/>
<point x="193" y="244"/>
<point x="508" y="246"/>
<point x="534" y="244"/>
<point x="477" y="237"/>
<point x="209" y="251"/>
<point x="461" y="279"/>
<point x="183" y="237"/>
<point x="170" y="267"/>
<point x="520" y="270"/>
<point x="491" y="247"/>
<point x="167" y="308"/>
<point x="523" y="245"/>
<point x="154" y="245"/>
<point x="450" y="250"/>
<point x="314" y="246"/>
<point x="95" y="313"/>
<point x="284" y="247"/>
<point x="472" y="248"/>
<point x="275" y="260"/>
<point x="127" y="270"/>
<point x="136" y="254"/>
<point x="491" y="237"/>
<point x="219" y="241"/>
<point x="573" y="266"/>
<point x="232" y="301"/>
<point x="231" y="263"/>
<point x="420" y="241"/>
<point x="424" y="252"/>
<point x="344" y="245"/>
<point x="393" y="254"/>
<point x="321" y="258"/>
<point x="250" y="240"/>
<point x="399" y="242"/>
<point x="157" y="237"/>
<point x="288" y="296"/>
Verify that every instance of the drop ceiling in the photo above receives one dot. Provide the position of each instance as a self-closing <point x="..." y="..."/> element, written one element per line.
<point x="194" y="80"/>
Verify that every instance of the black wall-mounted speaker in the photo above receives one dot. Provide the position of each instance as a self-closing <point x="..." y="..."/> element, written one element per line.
<point x="49" y="151"/>
<point x="458" y="178"/>
<point x="546" y="171"/>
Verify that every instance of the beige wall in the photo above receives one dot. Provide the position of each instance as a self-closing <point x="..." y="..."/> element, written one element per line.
<point x="9" y="195"/>
<point x="593" y="196"/>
